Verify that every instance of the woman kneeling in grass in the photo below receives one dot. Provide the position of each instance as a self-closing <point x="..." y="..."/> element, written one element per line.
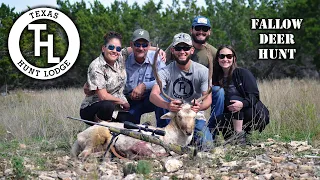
<point x="243" y="110"/>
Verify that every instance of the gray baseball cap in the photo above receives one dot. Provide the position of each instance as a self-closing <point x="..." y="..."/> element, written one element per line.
<point x="140" y="34"/>
<point x="182" y="38"/>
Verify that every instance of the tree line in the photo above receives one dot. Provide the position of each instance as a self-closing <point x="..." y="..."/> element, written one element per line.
<point x="231" y="24"/>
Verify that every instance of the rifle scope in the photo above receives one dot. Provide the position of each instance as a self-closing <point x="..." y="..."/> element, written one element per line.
<point x="130" y="125"/>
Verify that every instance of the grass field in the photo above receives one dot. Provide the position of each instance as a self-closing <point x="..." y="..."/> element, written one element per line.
<point x="35" y="135"/>
<point x="41" y="115"/>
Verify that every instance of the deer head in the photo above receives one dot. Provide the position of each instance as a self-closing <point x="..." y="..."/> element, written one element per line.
<point x="183" y="119"/>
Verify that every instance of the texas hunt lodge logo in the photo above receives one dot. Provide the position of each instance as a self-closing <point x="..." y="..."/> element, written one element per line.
<point x="59" y="66"/>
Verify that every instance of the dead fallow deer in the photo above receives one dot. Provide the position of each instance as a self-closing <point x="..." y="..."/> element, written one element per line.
<point x="179" y="131"/>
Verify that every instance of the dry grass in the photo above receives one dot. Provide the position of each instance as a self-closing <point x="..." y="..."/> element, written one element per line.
<point x="41" y="115"/>
<point x="294" y="107"/>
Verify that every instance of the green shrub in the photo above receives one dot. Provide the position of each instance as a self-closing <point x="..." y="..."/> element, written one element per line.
<point x="18" y="167"/>
<point x="144" y="167"/>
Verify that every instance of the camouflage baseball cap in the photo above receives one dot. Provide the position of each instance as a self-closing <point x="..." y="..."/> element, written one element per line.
<point x="140" y="34"/>
<point x="182" y="38"/>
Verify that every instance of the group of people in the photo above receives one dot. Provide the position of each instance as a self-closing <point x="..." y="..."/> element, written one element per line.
<point x="121" y="85"/>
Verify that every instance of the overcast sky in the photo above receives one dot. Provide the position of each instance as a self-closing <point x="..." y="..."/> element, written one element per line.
<point x="21" y="5"/>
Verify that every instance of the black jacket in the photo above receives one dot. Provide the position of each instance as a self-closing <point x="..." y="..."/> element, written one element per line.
<point x="247" y="86"/>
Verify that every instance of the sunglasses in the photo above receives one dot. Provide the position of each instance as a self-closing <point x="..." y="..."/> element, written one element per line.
<point x="179" y="48"/>
<point x="222" y="56"/>
<point x="111" y="47"/>
<point x="203" y="28"/>
<point x="144" y="45"/>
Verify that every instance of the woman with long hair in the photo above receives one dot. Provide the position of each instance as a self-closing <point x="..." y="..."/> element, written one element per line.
<point x="243" y="110"/>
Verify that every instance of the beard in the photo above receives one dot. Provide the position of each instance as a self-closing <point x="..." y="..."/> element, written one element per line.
<point x="194" y="38"/>
<point x="182" y="62"/>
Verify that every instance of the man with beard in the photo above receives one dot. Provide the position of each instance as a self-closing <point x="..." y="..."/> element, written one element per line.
<point x="200" y="32"/>
<point x="184" y="79"/>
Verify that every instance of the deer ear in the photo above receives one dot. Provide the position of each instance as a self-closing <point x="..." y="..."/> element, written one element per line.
<point x="168" y="115"/>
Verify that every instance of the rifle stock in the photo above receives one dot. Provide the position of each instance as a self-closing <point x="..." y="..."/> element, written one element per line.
<point x="144" y="137"/>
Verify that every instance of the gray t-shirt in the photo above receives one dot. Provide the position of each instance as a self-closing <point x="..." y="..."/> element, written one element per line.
<point x="179" y="84"/>
<point x="189" y="85"/>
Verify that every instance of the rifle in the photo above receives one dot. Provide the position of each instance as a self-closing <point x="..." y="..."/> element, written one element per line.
<point x="144" y="137"/>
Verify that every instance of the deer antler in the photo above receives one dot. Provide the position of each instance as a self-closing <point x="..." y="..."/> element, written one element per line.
<point x="156" y="75"/>
<point x="210" y="62"/>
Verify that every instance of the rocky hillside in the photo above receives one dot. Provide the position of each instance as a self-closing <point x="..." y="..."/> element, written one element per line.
<point x="268" y="160"/>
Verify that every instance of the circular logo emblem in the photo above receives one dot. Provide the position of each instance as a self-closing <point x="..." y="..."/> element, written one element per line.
<point x="59" y="66"/>
<point x="182" y="88"/>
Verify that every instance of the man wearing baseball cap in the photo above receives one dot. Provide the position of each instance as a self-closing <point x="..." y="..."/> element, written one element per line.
<point x="200" y="32"/>
<point x="184" y="79"/>
<point x="140" y="79"/>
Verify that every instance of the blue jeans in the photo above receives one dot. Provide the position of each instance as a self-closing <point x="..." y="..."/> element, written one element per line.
<point x="161" y="123"/>
<point x="139" y="107"/>
<point x="202" y="135"/>
<point x="217" y="108"/>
